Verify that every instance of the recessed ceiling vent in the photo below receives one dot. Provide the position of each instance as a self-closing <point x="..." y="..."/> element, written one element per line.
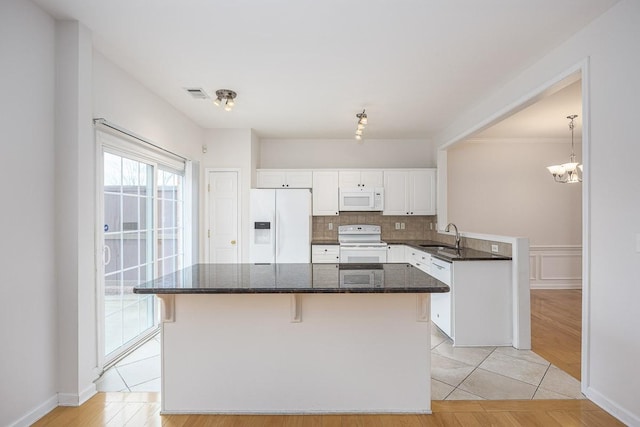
<point x="197" y="92"/>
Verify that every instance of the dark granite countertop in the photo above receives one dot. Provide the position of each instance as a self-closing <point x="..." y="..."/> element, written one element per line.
<point x="325" y="242"/>
<point x="293" y="279"/>
<point x="447" y="254"/>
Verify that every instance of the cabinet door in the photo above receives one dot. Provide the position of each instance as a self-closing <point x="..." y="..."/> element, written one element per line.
<point x="349" y="179"/>
<point x="298" y="179"/>
<point x="270" y="178"/>
<point x="325" y="193"/>
<point x="372" y="178"/>
<point x="441" y="311"/>
<point x="422" y="192"/>
<point x="396" y="189"/>
<point x="395" y="253"/>
<point x="325" y="254"/>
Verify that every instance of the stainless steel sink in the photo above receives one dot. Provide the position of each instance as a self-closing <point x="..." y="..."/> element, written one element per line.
<point x="451" y="253"/>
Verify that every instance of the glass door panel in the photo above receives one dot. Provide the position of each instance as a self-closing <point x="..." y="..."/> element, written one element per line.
<point x="128" y="251"/>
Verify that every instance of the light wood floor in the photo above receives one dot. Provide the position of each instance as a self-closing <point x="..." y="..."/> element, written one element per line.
<point x="556" y="328"/>
<point x="556" y="332"/>
<point x="143" y="409"/>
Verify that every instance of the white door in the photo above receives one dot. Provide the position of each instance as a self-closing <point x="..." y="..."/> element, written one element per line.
<point x="222" y="220"/>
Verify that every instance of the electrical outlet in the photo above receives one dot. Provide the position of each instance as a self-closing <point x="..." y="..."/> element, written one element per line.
<point x="330" y="226"/>
<point x="494" y="248"/>
<point x="402" y="225"/>
<point x="397" y="226"/>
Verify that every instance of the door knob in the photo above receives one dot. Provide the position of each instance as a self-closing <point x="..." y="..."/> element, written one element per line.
<point x="233" y="242"/>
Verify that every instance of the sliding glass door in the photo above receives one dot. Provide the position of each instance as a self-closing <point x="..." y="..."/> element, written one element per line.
<point x="143" y="239"/>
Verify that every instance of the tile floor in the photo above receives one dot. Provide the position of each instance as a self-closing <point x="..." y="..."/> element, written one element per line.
<point x="139" y="371"/>
<point x="457" y="373"/>
<point x="494" y="373"/>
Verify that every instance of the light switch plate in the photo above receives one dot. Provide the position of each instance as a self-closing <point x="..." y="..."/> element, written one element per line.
<point x="397" y="226"/>
<point x="402" y="225"/>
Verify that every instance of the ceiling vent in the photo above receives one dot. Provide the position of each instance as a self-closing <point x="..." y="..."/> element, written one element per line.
<point x="197" y="92"/>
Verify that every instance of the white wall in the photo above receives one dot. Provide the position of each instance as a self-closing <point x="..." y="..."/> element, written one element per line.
<point x="230" y="149"/>
<point x="346" y="153"/>
<point x="27" y="274"/>
<point x="611" y="321"/>
<point x="75" y="214"/>
<point x="126" y="102"/>
<point x="511" y="191"/>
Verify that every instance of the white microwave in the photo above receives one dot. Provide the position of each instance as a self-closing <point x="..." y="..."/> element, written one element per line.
<point x="361" y="199"/>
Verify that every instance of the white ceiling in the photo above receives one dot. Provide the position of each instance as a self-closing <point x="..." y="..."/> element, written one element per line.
<point x="303" y="68"/>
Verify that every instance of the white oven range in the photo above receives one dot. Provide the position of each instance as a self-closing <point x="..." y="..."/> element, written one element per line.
<point x="361" y="244"/>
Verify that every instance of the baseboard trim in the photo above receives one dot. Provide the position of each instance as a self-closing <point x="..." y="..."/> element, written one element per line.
<point x="613" y="408"/>
<point x="72" y="399"/>
<point x="38" y="412"/>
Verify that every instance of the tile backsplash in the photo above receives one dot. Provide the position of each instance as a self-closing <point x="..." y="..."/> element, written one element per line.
<point x="415" y="228"/>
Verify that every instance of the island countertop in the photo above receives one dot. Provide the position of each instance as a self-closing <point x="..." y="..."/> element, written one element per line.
<point x="293" y="279"/>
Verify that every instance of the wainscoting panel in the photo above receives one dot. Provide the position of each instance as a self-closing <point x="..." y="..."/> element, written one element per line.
<point x="556" y="267"/>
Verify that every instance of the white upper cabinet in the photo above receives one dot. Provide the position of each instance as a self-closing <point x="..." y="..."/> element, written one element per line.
<point x="422" y="192"/>
<point x="396" y="197"/>
<point x="325" y="193"/>
<point x="410" y="192"/>
<point x="284" y="178"/>
<point x="361" y="178"/>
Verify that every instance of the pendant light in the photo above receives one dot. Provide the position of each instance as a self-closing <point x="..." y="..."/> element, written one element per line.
<point x="568" y="173"/>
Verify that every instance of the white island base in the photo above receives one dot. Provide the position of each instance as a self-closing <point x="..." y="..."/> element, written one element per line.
<point x="304" y="353"/>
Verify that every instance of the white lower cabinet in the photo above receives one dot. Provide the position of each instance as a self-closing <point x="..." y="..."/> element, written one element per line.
<point x="396" y="253"/>
<point x="325" y="254"/>
<point x="418" y="258"/>
<point x="478" y="309"/>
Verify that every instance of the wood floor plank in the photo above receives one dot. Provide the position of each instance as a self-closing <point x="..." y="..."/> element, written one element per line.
<point x="102" y="410"/>
<point x="556" y="327"/>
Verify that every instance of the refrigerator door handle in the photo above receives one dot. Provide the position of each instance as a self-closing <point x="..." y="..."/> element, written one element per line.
<point x="277" y="239"/>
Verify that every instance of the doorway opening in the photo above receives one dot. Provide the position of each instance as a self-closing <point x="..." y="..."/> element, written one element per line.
<point x="142" y="237"/>
<point x="509" y="156"/>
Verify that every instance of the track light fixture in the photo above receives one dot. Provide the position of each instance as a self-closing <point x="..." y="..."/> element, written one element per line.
<point x="362" y="121"/>
<point x="225" y="97"/>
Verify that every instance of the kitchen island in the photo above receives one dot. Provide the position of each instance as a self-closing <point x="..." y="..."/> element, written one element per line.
<point x="296" y="338"/>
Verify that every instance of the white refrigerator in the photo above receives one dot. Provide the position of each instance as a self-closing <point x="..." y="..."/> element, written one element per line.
<point x="280" y="226"/>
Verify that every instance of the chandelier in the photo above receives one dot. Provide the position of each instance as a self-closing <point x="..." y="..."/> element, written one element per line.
<point x="568" y="173"/>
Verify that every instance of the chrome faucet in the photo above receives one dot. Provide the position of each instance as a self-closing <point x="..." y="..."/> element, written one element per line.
<point x="457" y="234"/>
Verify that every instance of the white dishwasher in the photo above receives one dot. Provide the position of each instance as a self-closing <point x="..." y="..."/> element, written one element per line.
<point x="441" y="270"/>
<point x="441" y="302"/>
